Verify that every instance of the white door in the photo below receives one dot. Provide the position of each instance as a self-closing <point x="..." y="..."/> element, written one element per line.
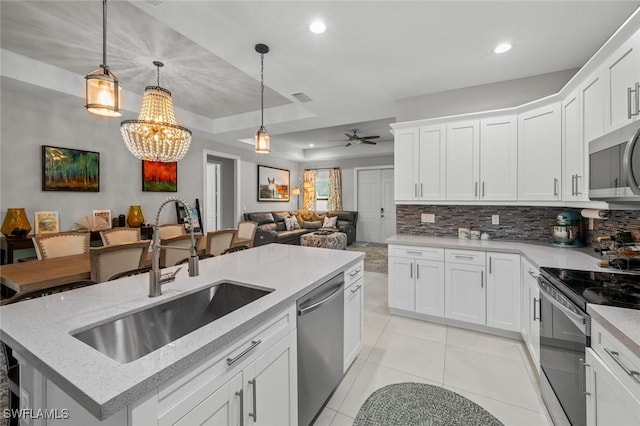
<point x="592" y="108"/>
<point x="432" y="158"/>
<point x="573" y="181"/>
<point x="622" y="70"/>
<point x="213" y="197"/>
<point x="376" y="207"/>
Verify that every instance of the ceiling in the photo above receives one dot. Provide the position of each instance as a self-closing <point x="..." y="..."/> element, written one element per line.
<point x="372" y="54"/>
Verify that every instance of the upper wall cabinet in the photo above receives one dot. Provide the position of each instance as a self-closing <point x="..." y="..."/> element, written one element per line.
<point x="592" y="102"/>
<point x="463" y="160"/>
<point x="499" y="158"/>
<point x="540" y="154"/>
<point x="419" y="158"/>
<point x="622" y="103"/>
<point x="573" y="181"/>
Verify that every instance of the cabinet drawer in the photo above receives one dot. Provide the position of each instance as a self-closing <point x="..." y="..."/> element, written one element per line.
<point x="624" y="363"/>
<point x="352" y="274"/>
<point x="417" y="252"/>
<point x="467" y="257"/>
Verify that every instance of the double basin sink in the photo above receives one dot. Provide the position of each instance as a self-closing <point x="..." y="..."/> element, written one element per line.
<point x="134" y="336"/>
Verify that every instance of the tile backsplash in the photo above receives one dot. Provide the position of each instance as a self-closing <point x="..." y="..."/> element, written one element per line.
<point x="516" y="222"/>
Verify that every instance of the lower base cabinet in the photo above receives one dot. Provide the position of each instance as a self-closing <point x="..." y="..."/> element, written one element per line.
<point x="530" y="308"/>
<point x="353" y="313"/>
<point x="465" y="294"/>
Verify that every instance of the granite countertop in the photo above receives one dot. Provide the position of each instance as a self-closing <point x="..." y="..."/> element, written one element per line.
<point x="623" y="323"/>
<point x="40" y="329"/>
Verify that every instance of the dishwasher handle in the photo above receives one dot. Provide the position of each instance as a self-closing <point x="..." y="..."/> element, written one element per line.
<point x="316" y="305"/>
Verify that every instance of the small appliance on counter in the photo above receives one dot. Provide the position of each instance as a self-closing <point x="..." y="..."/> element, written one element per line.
<point x="566" y="232"/>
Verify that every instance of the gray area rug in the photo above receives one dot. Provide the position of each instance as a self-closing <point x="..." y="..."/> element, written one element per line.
<point x="375" y="259"/>
<point x="419" y="404"/>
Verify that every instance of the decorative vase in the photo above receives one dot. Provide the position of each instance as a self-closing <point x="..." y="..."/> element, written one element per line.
<point x="16" y="223"/>
<point x="135" y="219"/>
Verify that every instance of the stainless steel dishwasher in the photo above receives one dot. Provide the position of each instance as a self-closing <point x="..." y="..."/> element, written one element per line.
<point x="320" y="346"/>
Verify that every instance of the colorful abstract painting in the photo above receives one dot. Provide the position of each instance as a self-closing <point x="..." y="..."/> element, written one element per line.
<point x="66" y="169"/>
<point x="159" y="177"/>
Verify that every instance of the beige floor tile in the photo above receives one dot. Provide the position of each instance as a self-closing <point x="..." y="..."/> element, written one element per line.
<point x="485" y="343"/>
<point x="325" y="418"/>
<point x="510" y="415"/>
<point x="417" y="328"/>
<point x="370" y="378"/>
<point x="342" y="420"/>
<point x="369" y="339"/>
<point x="491" y="376"/>
<point x="344" y="386"/>
<point x="375" y="319"/>
<point x="411" y="355"/>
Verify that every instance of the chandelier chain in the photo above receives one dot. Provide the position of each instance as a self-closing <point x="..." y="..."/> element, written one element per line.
<point x="262" y="90"/>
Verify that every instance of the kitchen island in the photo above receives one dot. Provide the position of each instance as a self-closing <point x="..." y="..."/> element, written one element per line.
<point x="95" y="387"/>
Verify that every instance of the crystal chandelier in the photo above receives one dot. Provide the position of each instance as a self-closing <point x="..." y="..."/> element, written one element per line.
<point x="155" y="135"/>
<point x="262" y="139"/>
<point x="103" y="93"/>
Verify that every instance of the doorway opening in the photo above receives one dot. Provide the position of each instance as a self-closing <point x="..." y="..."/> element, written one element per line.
<point x="221" y="190"/>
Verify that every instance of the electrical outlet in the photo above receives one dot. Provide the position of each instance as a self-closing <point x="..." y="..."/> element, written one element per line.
<point x="428" y="218"/>
<point x="495" y="219"/>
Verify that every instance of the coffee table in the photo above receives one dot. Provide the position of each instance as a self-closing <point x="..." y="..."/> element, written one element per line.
<point x="335" y="240"/>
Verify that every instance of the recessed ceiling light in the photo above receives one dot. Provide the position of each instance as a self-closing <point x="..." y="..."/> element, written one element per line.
<point x="502" y="47"/>
<point x="311" y="145"/>
<point x="317" y="27"/>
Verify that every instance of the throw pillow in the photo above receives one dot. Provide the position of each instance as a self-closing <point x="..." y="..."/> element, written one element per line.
<point x="312" y="225"/>
<point x="288" y="224"/>
<point x="295" y="222"/>
<point x="330" y="222"/>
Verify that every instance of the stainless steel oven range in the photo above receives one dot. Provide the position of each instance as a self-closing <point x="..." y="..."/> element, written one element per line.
<point x="565" y="333"/>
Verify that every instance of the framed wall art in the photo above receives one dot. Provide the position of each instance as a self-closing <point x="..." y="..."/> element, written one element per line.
<point x="46" y="223"/>
<point x="159" y="177"/>
<point x="66" y="169"/>
<point x="273" y="184"/>
<point x="104" y="214"/>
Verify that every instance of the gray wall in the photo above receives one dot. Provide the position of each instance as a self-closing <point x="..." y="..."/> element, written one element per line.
<point x="499" y="95"/>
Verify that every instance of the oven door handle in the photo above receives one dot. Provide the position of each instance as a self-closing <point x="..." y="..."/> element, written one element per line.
<point x="579" y="320"/>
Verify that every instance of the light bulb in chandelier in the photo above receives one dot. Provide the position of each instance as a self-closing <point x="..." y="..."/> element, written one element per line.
<point x="155" y="135"/>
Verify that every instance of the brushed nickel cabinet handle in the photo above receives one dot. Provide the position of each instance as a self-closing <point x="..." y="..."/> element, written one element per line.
<point x="555" y="187"/>
<point x="240" y="393"/>
<point x="482" y="189"/>
<point x="475" y="190"/>
<point x="255" y="408"/>
<point x="481" y="279"/>
<point x="629" y="103"/>
<point x="635" y="375"/>
<point x="254" y="344"/>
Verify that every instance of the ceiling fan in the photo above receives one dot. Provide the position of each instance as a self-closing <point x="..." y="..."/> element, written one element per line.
<point x="354" y="139"/>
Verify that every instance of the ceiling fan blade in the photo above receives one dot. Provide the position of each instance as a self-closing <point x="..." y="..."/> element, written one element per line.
<point x="336" y="140"/>
<point x="349" y="136"/>
<point x="369" y="142"/>
<point x="369" y="137"/>
<point x="349" y="144"/>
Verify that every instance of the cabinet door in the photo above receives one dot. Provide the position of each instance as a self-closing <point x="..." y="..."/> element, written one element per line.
<point x="406" y="158"/>
<point x="353" y="310"/>
<point x="465" y="293"/>
<point x="432" y="158"/>
<point x="592" y="100"/>
<point x="503" y="291"/>
<point x="499" y="158"/>
<point x="429" y="287"/>
<point x="221" y="408"/>
<point x="534" y="331"/>
<point x="463" y="159"/>
<point x="610" y="403"/>
<point x="401" y="284"/>
<point x="540" y="154"/>
<point x="623" y="72"/>
<point x="573" y="147"/>
<point x="270" y="386"/>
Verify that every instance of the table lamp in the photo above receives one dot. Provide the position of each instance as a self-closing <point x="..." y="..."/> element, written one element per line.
<point x="16" y="223"/>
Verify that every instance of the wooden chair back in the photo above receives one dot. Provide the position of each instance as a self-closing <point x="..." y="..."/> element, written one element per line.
<point x="245" y="233"/>
<point x="176" y="252"/>
<point x="116" y="236"/>
<point x="219" y="241"/>
<point x="61" y="244"/>
<point x="171" y="230"/>
<point x="110" y="260"/>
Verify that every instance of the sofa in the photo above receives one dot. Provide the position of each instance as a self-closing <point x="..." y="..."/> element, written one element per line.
<point x="272" y="228"/>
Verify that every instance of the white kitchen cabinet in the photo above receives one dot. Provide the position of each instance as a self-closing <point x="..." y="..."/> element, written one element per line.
<point x="463" y="160"/>
<point x="465" y="287"/>
<point x="592" y="106"/>
<point x="222" y="407"/>
<point x="416" y="279"/>
<point x="622" y="78"/>
<point x="498" y="159"/>
<point x="353" y="313"/>
<point x="573" y="181"/>
<point x="419" y="158"/>
<point x="540" y="154"/>
<point x="609" y="401"/>
<point x="503" y="291"/>
<point x="530" y="308"/>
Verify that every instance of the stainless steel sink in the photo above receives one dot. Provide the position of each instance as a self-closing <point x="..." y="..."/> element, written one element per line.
<point x="133" y="336"/>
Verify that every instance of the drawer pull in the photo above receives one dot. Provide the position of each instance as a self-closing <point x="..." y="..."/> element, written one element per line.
<point x="254" y="343"/>
<point x="414" y="252"/>
<point x="355" y="290"/>
<point x="458" y="256"/>
<point x="534" y="276"/>
<point x="354" y="273"/>
<point x="635" y="375"/>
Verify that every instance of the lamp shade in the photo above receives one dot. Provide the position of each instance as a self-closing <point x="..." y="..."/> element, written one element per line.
<point x="263" y="141"/>
<point x="16" y="223"/>
<point x="295" y="191"/>
<point x="103" y="93"/>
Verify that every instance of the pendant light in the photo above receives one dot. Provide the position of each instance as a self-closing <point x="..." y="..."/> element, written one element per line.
<point x="103" y="93"/>
<point x="262" y="140"/>
<point x="155" y="135"/>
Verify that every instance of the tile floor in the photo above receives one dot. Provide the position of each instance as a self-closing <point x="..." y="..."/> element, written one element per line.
<point x="492" y="371"/>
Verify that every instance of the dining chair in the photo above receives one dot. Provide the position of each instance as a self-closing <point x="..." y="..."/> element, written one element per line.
<point x="120" y="236"/>
<point x="236" y="248"/>
<point x="200" y="257"/>
<point x="130" y="273"/>
<point x="219" y="241"/>
<point x="107" y="261"/>
<point x="176" y="251"/>
<point x="170" y="230"/>
<point x="61" y="244"/>
<point x="245" y="233"/>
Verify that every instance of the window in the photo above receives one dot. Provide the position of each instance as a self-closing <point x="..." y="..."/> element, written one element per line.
<point x="322" y="189"/>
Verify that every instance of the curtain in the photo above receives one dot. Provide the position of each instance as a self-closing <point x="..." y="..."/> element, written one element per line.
<point x="335" y="190"/>
<point x="309" y="190"/>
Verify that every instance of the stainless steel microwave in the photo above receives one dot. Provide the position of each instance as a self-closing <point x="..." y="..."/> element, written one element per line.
<point x="614" y="165"/>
